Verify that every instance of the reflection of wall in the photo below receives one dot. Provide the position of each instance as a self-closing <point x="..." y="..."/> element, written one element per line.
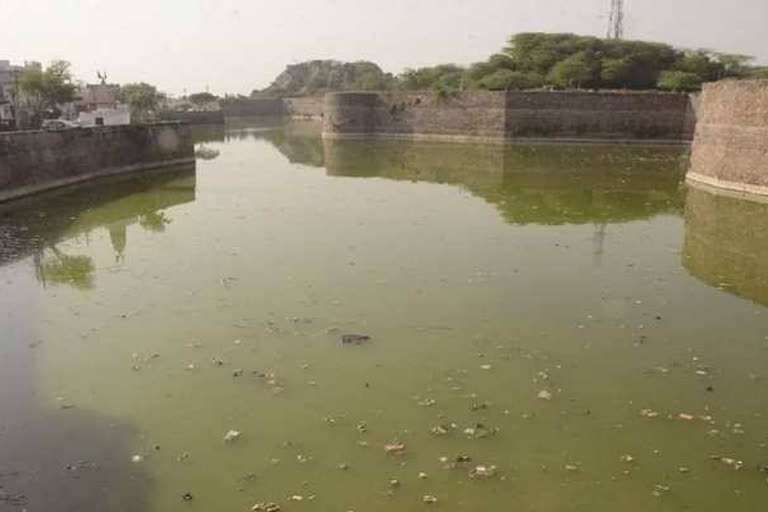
<point x="32" y="162"/>
<point x="304" y="108"/>
<point x="34" y="223"/>
<point x="726" y="243"/>
<point x="730" y="149"/>
<point x="529" y="184"/>
<point x="649" y="117"/>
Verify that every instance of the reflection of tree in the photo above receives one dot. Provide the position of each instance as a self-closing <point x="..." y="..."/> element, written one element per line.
<point x="205" y="153"/>
<point x="62" y="268"/>
<point x="154" y="221"/>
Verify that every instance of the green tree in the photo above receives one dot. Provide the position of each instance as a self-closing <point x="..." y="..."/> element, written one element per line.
<point x="505" y="79"/>
<point x="201" y="98"/>
<point x="574" y="71"/>
<point x="144" y="99"/>
<point x="615" y="72"/>
<point x="45" y="89"/>
<point x="679" y="81"/>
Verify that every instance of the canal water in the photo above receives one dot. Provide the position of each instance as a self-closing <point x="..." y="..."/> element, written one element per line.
<point x="540" y="328"/>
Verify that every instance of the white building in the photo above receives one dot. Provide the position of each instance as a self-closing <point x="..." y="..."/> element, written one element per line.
<point x="99" y="105"/>
<point x="120" y="114"/>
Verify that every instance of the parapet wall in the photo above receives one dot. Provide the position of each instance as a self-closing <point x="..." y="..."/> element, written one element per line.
<point x="499" y="116"/>
<point x="730" y="149"/>
<point x="35" y="161"/>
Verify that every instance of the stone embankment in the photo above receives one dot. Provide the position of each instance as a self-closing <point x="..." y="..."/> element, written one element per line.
<point x="36" y="161"/>
<point x="569" y="116"/>
<point x="730" y="148"/>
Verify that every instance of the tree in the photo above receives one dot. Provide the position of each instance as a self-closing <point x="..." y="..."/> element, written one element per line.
<point x="505" y="79"/>
<point x="679" y="81"/>
<point x="144" y="99"/>
<point x="734" y="64"/>
<point x="615" y="73"/>
<point x="574" y="71"/>
<point x="201" y="98"/>
<point x="45" y="89"/>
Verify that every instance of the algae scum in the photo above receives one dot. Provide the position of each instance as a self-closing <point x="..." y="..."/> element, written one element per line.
<point x="373" y="326"/>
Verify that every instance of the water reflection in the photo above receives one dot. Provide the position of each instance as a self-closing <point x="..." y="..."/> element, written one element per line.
<point x="726" y="243"/>
<point x="38" y="225"/>
<point x="529" y="184"/>
<point x="545" y="184"/>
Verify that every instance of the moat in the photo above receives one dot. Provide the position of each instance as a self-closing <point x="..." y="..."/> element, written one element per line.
<point x="550" y="328"/>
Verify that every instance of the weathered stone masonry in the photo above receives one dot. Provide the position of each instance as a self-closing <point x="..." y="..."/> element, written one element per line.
<point x="730" y="149"/>
<point x="32" y="162"/>
<point x="500" y="116"/>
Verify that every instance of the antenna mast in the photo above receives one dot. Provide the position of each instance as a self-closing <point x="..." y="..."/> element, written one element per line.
<point x="616" y="23"/>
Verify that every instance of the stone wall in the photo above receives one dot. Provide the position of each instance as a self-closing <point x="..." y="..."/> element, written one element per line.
<point x="730" y="149"/>
<point x="310" y="108"/>
<point x="244" y="107"/>
<point x="36" y="161"/>
<point x="195" y="117"/>
<point x="499" y="116"/>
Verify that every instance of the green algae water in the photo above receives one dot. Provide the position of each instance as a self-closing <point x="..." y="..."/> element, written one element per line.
<point x="552" y="328"/>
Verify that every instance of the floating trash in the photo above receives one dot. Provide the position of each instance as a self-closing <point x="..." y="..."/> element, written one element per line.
<point x="395" y="448"/>
<point x="423" y="475"/>
<point x="231" y="436"/>
<point x="483" y="471"/>
<point x="187" y="496"/>
<point x="354" y="339"/>
<point x="544" y="395"/>
<point x="429" y="499"/>
<point x="136" y="459"/>
<point x="266" y="507"/>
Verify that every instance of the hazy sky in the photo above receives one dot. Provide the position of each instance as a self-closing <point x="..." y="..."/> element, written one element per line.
<point x="239" y="45"/>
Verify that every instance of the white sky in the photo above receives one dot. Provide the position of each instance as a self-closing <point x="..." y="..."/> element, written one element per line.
<point x="239" y="45"/>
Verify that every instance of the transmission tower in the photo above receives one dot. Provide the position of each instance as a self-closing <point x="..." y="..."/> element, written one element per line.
<point x="616" y="23"/>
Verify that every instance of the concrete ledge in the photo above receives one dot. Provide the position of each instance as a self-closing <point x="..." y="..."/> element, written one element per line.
<point x="18" y="193"/>
<point x="434" y="137"/>
<point x="735" y="189"/>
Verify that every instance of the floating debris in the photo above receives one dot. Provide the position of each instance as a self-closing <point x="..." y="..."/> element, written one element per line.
<point x="439" y="430"/>
<point x="343" y="466"/>
<point x="136" y="459"/>
<point x="395" y="448"/>
<point x="362" y="427"/>
<point x="237" y="373"/>
<point x="428" y="402"/>
<point x="659" y="490"/>
<point x="649" y="413"/>
<point x="686" y="416"/>
<point x="483" y="471"/>
<point x="231" y="436"/>
<point x="394" y="483"/>
<point x="486" y="367"/>
<point x="429" y="499"/>
<point x="354" y="339"/>
<point x="187" y="496"/>
<point x="728" y="461"/>
<point x="296" y="497"/>
<point x="266" y="507"/>
<point x="571" y="467"/>
<point x="684" y="469"/>
<point x="627" y="458"/>
<point x="423" y="475"/>
<point x="544" y="395"/>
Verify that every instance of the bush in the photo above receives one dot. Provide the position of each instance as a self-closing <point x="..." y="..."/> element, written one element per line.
<point x="679" y="81"/>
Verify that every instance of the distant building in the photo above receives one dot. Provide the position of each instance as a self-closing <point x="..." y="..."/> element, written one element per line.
<point x="99" y="105"/>
<point x="9" y="93"/>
